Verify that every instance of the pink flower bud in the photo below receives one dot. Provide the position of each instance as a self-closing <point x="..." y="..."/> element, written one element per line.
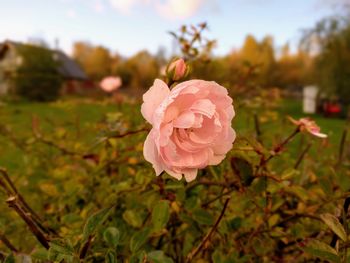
<point x="177" y="69"/>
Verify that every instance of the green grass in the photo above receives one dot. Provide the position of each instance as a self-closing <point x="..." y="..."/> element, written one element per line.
<point x="75" y="116"/>
<point x="82" y="116"/>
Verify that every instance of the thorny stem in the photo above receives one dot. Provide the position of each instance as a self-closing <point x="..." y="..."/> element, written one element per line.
<point x="130" y="133"/>
<point x="159" y="181"/>
<point x="13" y="202"/>
<point x="8" y="243"/>
<point x="302" y="155"/>
<point x="85" y="248"/>
<point x="342" y="146"/>
<point x="218" y="197"/>
<point x="58" y="147"/>
<point x="257" y="128"/>
<point x="211" y="183"/>
<point x="277" y="149"/>
<point x="12" y="191"/>
<point x="197" y="249"/>
<point x="263" y="161"/>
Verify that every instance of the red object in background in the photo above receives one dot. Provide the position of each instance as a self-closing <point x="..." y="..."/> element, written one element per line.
<point x="333" y="108"/>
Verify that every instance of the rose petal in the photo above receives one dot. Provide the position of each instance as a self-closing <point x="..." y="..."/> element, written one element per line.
<point x="185" y="120"/>
<point x="165" y="133"/>
<point x="153" y="98"/>
<point x="223" y="145"/>
<point x="205" y="107"/>
<point x="216" y="159"/>
<point x="320" y="135"/>
<point x="151" y="154"/>
<point x="178" y="176"/>
<point x="190" y="174"/>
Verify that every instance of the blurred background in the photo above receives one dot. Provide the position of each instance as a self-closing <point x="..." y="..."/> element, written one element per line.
<point x="288" y="45"/>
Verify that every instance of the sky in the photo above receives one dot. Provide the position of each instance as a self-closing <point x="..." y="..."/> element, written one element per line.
<point x="128" y="26"/>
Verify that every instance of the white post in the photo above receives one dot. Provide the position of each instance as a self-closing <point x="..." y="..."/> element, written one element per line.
<point x="309" y="99"/>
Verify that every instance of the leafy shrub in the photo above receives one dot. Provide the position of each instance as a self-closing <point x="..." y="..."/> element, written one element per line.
<point x="37" y="77"/>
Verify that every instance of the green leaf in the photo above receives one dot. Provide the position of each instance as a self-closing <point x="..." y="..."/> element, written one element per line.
<point x="110" y="257"/>
<point x="217" y="257"/>
<point x="133" y="218"/>
<point x="202" y="216"/>
<point x="289" y="173"/>
<point x="111" y="235"/>
<point x="243" y="169"/>
<point x="9" y="259"/>
<point x="158" y="256"/>
<point x="61" y="250"/>
<point x="95" y="221"/>
<point x="333" y="223"/>
<point x="40" y="253"/>
<point x="322" y="250"/>
<point x="139" y="239"/>
<point x="235" y="223"/>
<point x="160" y="215"/>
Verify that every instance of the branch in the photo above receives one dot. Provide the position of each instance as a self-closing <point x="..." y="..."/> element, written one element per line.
<point x="342" y="146"/>
<point x="58" y="147"/>
<point x="302" y="155"/>
<point x="257" y="128"/>
<point x="217" y="198"/>
<point x="277" y="149"/>
<point x="11" y="191"/>
<point x="196" y="250"/>
<point x="210" y="183"/>
<point x="8" y="243"/>
<point x="85" y="248"/>
<point x="130" y="133"/>
<point x="13" y="202"/>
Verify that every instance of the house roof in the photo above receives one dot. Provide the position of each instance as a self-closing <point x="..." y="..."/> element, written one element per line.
<point x="68" y="68"/>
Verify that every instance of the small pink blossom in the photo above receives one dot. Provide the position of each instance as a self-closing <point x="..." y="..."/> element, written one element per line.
<point x="191" y="126"/>
<point x="309" y="125"/>
<point x="110" y="84"/>
<point x="177" y="69"/>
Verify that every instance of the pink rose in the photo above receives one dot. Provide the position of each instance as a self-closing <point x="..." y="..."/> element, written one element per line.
<point x="110" y="84"/>
<point x="309" y="125"/>
<point x="177" y="69"/>
<point x="191" y="126"/>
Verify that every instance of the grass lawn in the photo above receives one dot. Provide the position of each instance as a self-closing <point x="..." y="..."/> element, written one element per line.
<point x="85" y="115"/>
<point x="72" y="115"/>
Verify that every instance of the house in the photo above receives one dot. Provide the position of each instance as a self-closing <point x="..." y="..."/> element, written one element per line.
<point x="75" y="79"/>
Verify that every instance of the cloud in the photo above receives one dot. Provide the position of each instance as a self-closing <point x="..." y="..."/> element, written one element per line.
<point x="179" y="9"/>
<point x="123" y="6"/>
<point x="331" y="3"/>
<point x="71" y="13"/>
<point x="171" y="9"/>
<point x="98" y="6"/>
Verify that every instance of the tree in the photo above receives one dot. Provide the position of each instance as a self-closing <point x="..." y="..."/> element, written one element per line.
<point x="331" y="39"/>
<point x="37" y="78"/>
<point x="260" y="55"/>
<point x="140" y="70"/>
<point x="95" y="60"/>
<point x="293" y="70"/>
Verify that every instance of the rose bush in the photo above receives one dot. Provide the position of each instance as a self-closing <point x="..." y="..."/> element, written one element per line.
<point x="191" y="126"/>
